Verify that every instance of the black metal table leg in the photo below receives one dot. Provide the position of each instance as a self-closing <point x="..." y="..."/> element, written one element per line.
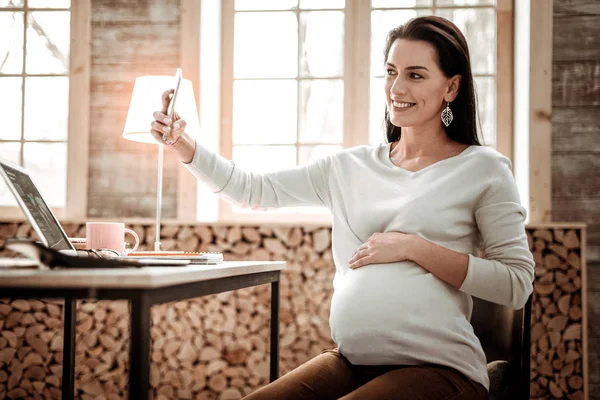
<point x="525" y="378"/>
<point x="274" y="330"/>
<point x="68" y="374"/>
<point x="139" y="354"/>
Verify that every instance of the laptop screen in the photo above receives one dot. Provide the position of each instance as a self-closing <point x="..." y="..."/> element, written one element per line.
<point x="35" y="208"/>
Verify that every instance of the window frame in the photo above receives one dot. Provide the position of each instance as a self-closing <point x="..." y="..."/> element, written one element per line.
<point x="357" y="80"/>
<point x="78" y="115"/>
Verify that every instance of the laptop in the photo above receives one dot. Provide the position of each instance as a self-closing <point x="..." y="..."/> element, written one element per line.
<point x="51" y="233"/>
<point x="35" y="208"/>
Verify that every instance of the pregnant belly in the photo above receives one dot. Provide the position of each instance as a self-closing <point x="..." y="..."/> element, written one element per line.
<point x="395" y="297"/>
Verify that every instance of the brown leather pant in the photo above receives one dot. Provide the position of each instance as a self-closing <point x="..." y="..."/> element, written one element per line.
<point x="331" y="376"/>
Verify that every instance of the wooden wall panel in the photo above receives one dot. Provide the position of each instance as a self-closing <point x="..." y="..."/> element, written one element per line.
<point x="155" y="11"/>
<point x="111" y="141"/>
<point x="129" y="190"/>
<point x="129" y="39"/>
<point x="575" y="129"/>
<point x="576" y="84"/>
<point x="575" y="174"/>
<point x="576" y="116"/>
<point x="576" y="141"/>
<point x="577" y="38"/>
<point x="143" y="44"/>
<point x="576" y="7"/>
<point x="582" y="209"/>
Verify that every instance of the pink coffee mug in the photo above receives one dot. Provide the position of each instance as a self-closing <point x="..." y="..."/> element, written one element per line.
<point x="108" y="235"/>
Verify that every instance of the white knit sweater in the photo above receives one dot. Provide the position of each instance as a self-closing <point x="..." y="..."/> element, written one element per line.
<point x="399" y="313"/>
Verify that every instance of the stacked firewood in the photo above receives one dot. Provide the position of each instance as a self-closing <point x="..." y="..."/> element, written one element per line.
<point x="213" y="347"/>
<point x="557" y="349"/>
<point x="31" y="344"/>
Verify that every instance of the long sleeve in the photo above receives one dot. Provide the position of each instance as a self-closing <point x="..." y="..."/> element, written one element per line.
<point x="506" y="274"/>
<point x="299" y="186"/>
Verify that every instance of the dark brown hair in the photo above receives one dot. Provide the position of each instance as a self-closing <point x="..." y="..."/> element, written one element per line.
<point x="453" y="59"/>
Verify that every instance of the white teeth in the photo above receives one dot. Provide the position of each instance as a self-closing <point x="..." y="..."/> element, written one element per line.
<point x="402" y="105"/>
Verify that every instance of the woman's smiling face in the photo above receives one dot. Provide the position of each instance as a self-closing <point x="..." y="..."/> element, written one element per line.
<point x="415" y="86"/>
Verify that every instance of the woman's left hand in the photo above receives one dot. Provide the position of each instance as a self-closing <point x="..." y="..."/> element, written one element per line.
<point x="383" y="248"/>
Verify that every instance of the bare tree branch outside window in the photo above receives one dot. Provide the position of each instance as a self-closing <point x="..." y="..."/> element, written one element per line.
<point x="48" y="41"/>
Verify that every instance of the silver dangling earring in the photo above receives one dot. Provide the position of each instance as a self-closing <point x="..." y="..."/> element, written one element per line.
<point x="447" y="116"/>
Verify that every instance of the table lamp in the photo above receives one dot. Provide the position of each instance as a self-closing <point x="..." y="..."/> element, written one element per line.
<point x="145" y="100"/>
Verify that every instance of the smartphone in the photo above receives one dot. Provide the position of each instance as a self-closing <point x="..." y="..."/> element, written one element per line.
<point x="171" y="108"/>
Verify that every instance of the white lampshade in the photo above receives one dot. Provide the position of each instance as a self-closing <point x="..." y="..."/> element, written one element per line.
<point x="146" y="99"/>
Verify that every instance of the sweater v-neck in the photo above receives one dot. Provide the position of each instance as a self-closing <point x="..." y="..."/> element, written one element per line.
<point x="388" y="161"/>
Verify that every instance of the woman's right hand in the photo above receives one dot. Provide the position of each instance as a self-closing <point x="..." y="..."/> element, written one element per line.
<point x="171" y="131"/>
<point x="164" y="129"/>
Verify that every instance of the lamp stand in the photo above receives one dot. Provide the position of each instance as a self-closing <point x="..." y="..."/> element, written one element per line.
<point x="161" y="151"/>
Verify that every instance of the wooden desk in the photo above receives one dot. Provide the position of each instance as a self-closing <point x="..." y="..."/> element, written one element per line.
<point x="143" y="287"/>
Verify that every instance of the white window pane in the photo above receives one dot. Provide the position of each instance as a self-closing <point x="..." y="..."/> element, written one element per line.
<point x="265" y="45"/>
<point x="486" y="96"/>
<point x="47" y="163"/>
<point x="400" y="3"/>
<point x="265" y="4"/>
<point x="322" y="4"/>
<point x="479" y="28"/>
<point x="11" y="42"/>
<point x="9" y="152"/>
<point x="44" y="119"/>
<point x="322" y="43"/>
<point x="322" y="111"/>
<point x="49" y="3"/>
<point x="465" y="2"/>
<point x="381" y="23"/>
<point x="48" y="35"/>
<point x="264" y="159"/>
<point x="11" y="3"/>
<point x="265" y="111"/>
<point x="377" y="112"/>
<point x="10" y="104"/>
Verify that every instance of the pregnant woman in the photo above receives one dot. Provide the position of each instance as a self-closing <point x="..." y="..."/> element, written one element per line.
<point x="408" y="218"/>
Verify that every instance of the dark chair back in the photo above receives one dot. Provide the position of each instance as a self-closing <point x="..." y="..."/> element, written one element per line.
<point x="505" y="334"/>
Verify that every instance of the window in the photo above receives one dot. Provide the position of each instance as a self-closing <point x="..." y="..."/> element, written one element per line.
<point x="303" y="78"/>
<point x="34" y="82"/>
<point x="35" y="93"/>
<point x="287" y="90"/>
